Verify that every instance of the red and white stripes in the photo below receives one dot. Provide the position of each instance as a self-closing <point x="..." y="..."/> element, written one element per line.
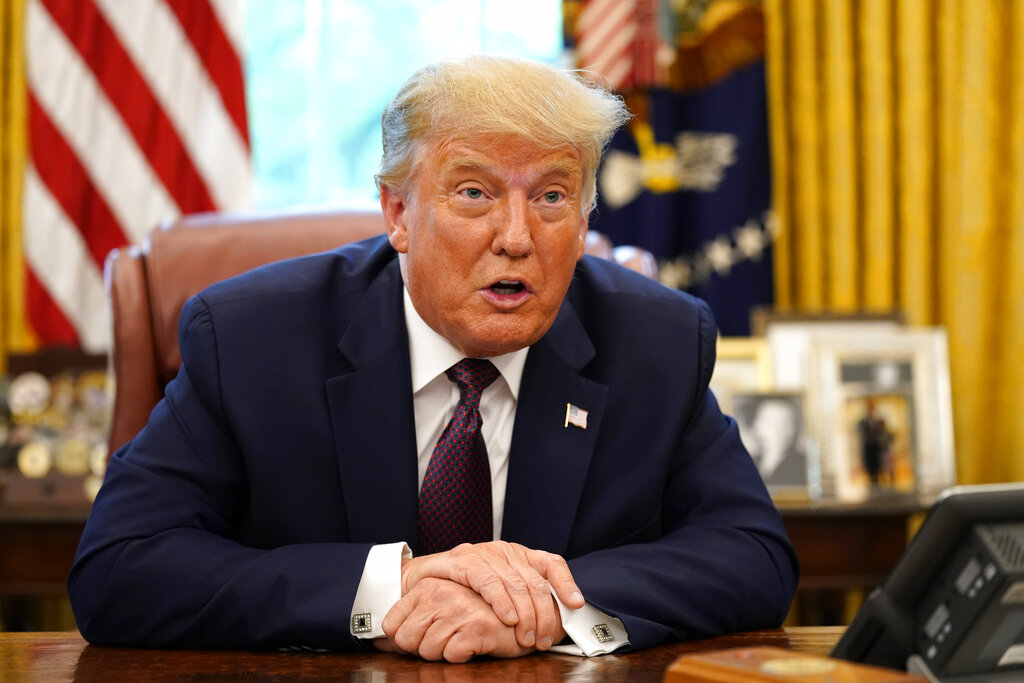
<point x="646" y="46"/>
<point x="619" y="40"/>
<point x="136" y="114"/>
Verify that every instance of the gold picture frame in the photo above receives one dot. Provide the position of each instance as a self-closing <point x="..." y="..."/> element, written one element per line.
<point x="743" y="365"/>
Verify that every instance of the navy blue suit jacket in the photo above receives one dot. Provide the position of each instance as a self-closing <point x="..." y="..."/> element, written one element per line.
<point x="241" y="515"/>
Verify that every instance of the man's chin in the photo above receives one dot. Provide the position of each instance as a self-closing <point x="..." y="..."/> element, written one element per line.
<point x="495" y="334"/>
<point x="497" y="344"/>
<point x="491" y="349"/>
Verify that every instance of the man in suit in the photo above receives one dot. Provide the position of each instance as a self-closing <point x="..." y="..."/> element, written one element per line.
<point x="460" y="438"/>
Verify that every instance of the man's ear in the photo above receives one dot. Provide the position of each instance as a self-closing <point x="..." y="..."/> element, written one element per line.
<point x="394" y="207"/>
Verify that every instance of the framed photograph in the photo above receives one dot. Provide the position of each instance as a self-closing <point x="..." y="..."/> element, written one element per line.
<point x="764" y="316"/>
<point x="882" y="412"/>
<point x="789" y="341"/>
<point x="743" y="365"/>
<point x="772" y="428"/>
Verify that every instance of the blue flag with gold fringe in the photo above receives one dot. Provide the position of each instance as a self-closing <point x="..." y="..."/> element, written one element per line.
<point x="690" y="178"/>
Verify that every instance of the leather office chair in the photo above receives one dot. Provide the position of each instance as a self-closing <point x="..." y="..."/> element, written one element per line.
<point x="149" y="283"/>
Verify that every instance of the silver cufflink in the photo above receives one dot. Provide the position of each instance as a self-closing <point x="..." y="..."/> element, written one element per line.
<point x="602" y="633"/>
<point x="362" y="623"/>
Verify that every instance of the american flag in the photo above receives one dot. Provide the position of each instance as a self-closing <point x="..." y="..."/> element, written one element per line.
<point x="574" y="415"/>
<point x="136" y="115"/>
<point x="618" y="40"/>
<point x="690" y="179"/>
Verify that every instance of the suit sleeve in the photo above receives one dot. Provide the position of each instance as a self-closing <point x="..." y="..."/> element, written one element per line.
<point x="721" y="562"/>
<point x="160" y="563"/>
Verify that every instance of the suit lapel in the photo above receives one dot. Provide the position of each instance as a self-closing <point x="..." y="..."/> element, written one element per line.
<point x="374" y="428"/>
<point x="372" y="416"/>
<point x="549" y="461"/>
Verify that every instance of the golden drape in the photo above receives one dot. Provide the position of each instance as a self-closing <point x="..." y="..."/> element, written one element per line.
<point x="898" y="161"/>
<point x="14" y="335"/>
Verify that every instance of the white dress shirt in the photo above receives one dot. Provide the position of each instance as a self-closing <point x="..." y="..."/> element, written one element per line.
<point x="434" y="401"/>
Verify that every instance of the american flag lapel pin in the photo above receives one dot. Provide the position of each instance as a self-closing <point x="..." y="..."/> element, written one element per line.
<point x="574" y="415"/>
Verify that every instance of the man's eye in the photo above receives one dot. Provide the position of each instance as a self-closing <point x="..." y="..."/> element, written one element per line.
<point x="473" y="192"/>
<point x="552" y="197"/>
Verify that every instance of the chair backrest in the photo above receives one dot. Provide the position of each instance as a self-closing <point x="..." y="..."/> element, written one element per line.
<point x="149" y="283"/>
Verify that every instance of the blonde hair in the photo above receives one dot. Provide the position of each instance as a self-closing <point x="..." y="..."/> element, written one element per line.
<point x="484" y="95"/>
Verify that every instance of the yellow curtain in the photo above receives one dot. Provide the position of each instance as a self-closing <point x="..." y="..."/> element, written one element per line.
<point x="898" y="161"/>
<point x="14" y="334"/>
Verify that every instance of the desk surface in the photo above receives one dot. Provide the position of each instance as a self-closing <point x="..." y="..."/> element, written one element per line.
<point x="54" y="657"/>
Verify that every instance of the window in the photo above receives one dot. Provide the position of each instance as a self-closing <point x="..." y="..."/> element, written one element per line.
<point x="319" y="73"/>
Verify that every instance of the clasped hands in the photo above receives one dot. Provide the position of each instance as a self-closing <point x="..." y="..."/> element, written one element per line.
<point x="479" y="599"/>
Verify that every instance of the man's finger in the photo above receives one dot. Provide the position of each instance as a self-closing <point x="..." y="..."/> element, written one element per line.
<point x="555" y="569"/>
<point x="397" y="615"/>
<point x="410" y="623"/>
<point x="548" y="621"/>
<point x="433" y="641"/>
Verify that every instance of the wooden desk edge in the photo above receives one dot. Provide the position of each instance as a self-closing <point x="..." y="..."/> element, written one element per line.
<point x="62" y="656"/>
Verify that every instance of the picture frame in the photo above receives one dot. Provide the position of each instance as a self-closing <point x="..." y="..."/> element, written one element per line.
<point x="772" y="426"/>
<point x="881" y="409"/>
<point x="762" y="317"/>
<point x="743" y="365"/>
<point x="789" y="339"/>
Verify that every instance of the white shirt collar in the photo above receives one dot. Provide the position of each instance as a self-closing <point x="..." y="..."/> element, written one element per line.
<point x="430" y="354"/>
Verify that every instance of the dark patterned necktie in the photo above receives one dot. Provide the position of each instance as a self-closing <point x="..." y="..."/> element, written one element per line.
<point x="455" y="500"/>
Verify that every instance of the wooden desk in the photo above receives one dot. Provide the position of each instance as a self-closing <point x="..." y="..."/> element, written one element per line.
<point x="66" y="657"/>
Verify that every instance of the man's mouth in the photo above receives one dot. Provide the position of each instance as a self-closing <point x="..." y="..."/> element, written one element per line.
<point x="507" y="287"/>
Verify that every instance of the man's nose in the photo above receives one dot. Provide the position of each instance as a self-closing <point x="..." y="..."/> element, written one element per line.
<point x="513" y="234"/>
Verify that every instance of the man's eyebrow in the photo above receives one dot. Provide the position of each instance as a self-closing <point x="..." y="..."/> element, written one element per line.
<point x="563" y="166"/>
<point x="467" y="164"/>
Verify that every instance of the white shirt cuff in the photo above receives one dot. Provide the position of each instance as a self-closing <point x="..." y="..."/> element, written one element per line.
<point x="592" y="631"/>
<point x="380" y="587"/>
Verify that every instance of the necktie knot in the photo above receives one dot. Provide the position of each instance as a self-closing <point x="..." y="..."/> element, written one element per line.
<point x="473" y="375"/>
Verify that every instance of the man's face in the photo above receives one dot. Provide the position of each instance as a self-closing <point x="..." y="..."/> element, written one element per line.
<point x="488" y="236"/>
